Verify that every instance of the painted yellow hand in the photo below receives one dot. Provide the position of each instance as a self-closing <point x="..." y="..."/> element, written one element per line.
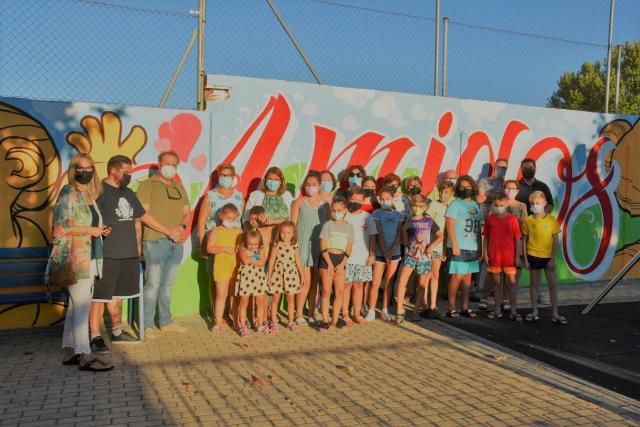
<point x="102" y="139"/>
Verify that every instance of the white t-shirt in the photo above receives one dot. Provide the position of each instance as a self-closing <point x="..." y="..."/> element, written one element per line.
<point x="363" y="227"/>
<point x="437" y="211"/>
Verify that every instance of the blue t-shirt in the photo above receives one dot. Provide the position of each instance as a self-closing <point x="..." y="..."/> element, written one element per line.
<point x="467" y="225"/>
<point x="389" y="222"/>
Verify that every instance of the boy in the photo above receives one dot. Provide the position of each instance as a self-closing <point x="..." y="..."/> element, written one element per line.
<point x="501" y="254"/>
<point x="541" y="241"/>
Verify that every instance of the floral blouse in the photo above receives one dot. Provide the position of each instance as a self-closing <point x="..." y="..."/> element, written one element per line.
<point x="73" y="210"/>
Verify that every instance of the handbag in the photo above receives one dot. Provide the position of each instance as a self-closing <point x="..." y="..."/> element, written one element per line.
<point x="62" y="278"/>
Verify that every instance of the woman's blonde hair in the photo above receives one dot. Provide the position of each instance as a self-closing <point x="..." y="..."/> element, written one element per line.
<point x="275" y="171"/>
<point x="94" y="187"/>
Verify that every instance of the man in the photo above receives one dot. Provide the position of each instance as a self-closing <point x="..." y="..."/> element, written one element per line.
<point x="165" y="199"/>
<point x="120" y="209"/>
<point x="529" y="184"/>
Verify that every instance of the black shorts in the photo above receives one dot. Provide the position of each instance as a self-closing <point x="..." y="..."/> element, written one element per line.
<point x="120" y="279"/>
<point x="536" y="263"/>
<point x="335" y="260"/>
<point x="383" y="260"/>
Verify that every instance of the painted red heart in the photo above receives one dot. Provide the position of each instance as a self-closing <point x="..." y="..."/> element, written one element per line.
<point x="199" y="162"/>
<point x="182" y="132"/>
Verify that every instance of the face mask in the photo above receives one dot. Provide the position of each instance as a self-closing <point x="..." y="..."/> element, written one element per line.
<point x="500" y="210"/>
<point x="511" y="193"/>
<point x="528" y="173"/>
<point x="83" y="177"/>
<point x="225" y="181"/>
<point x="168" y="171"/>
<point x="355" y="181"/>
<point x="386" y="204"/>
<point x="326" y="186"/>
<point x="338" y="216"/>
<point x="415" y="190"/>
<point x="368" y="192"/>
<point x="312" y="190"/>
<point x="465" y="193"/>
<point x="228" y="223"/>
<point x="394" y="188"/>
<point x="418" y="211"/>
<point x="537" y="208"/>
<point x="273" y="184"/>
<point x="125" y="181"/>
<point x="353" y="206"/>
<point x="501" y="172"/>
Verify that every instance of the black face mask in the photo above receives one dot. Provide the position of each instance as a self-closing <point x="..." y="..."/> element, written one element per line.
<point x="125" y="181"/>
<point x="465" y="193"/>
<point x="528" y="173"/>
<point x="83" y="177"/>
<point x="415" y="190"/>
<point x="393" y="188"/>
<point x="353" y="206"/>
<point x="368" y="192"/>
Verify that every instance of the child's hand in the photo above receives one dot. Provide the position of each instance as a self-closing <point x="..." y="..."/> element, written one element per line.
<point x="443" y="258"/>
<point x="551" y="265"/>
<point x="230" y="251"/>
<point x="371" y="260"/>
<point x="518" y="262"/>
<point x="330" y="266"/>
<point x="485" y="259"/>
<point x="340" y="267"/>
<point x="456" y="250"/>
<point x="526" y="264"/>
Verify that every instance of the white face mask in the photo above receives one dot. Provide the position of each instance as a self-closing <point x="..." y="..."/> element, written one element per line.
<point x="537" y="208"/>
<point x="500" y="210"/>
<point x="168" y="171"/>
<point x="338" y="216"/>
<point x="228" y="223"/>
<point x="511" y="193"/>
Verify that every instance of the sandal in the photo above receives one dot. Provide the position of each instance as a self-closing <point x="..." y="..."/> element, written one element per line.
<point x="483" y="304"/>
<point x="399" y="318"/>
<point x="468" y="313"/>
<point x="515" y="317"/>
<point x="530" y="317"/>
<point x="73" y="360"/>
<point x="293" y="327"/>
<point x="494" y="315"/>
<point x="216" y="329"/>
<point x="506" y="305"/>
<point x="243" y="332"/>
<point x="453" y="314"/>
<point x="322" y="325"/>
<point x="560" y="320"/>
<point x="95" y="365"/>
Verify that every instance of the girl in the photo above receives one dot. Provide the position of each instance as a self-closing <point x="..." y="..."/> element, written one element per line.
<point x="336" y="241"/>
<point x="463" y="243"/>
<point x="351" y="178"/>
<point x="514" y="207"/>
<point x="369" y="203"/>
<point x="327" y="185"/>
<point x="252" y="281"/>
<point x="401" y="203"/>
<point x="388" y="223"/>
<point x="358" y="270"/>
<point x="221" y="243"/>
<point x="308" y="213"/>
<point x="416" y="237"/>
<point x="437" y="210"/>
<point x="540" y="232"/>
<point x="286" y="274"/>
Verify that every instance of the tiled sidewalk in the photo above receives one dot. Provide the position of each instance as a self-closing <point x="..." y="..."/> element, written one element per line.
<point x="380" y="374"/>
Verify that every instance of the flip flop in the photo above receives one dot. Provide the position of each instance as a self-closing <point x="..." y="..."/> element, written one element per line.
<point x="530" y="318"/>
<point x="95" y="365"/>
<point x="560" y="320"/>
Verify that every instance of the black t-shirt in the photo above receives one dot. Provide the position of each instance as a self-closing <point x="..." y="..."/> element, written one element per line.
<point x="526" y="190"/>
<point x="120" y="209"/>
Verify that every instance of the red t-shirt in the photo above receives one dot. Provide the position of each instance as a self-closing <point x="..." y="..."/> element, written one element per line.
<point x="370" y="207"/>
<point x="502" y="233"/>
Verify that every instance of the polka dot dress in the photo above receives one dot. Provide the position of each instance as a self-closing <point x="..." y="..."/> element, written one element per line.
<point x="251" y="281"/>
<point x="285" y="273"/>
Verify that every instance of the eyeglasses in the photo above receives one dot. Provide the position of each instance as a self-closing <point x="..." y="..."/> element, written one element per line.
<point x="85" y="169"/>
<point x="355" y="174"/>
<point x="172" y="195"/>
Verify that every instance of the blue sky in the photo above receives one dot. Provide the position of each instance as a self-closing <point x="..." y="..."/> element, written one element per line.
<point x="86" y="50"/>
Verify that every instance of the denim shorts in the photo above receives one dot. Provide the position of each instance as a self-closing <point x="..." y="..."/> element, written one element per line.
<point x="420" y="267"/>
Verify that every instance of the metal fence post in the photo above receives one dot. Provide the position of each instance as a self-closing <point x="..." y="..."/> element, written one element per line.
<point x="202" y="16"/>
<point x="619" y="70"/>
<point x="445" y="45"/>
<point x="607" y="85"/>
<point x="436" y="64"/>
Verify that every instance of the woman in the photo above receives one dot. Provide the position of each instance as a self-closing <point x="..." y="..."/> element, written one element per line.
<point x="370" y="203"/>
<point x="401" y="203"/>
<point x="76" y="239"/>
<point x="222" y="193"/>
<point x="273" y="197"/>
<point x="351" y="178"/>
<point x="327" y="185"/>
<point x="308" y="213"/>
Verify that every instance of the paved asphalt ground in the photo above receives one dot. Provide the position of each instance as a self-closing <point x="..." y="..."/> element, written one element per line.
<point x="602" y="347"/>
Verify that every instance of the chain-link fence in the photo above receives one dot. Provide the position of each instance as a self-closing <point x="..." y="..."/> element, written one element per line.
<point x="125" y="51"/>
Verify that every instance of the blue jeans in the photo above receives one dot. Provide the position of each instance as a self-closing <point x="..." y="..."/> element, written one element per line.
<point x="162" y="258"/>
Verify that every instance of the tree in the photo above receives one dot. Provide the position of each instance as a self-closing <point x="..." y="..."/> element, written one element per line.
<point x="585" y="89"/>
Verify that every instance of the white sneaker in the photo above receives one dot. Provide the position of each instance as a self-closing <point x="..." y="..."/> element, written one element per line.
<point x="385" y="315"/>
<point x="364" y="310"/>
<point x="371" y="315"/>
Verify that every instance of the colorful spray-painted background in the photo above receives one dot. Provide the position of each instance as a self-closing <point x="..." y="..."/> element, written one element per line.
<point x="587" y="159"/>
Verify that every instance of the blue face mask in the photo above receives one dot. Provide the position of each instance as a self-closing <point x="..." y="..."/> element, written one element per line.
<point x="386" y="204"/>
<point x="355" y="181"/>
<point x="273" y="184"/>
<point x="225" y="181"/>
<point x="501" y="172"/>
<point x="326" y="186"/>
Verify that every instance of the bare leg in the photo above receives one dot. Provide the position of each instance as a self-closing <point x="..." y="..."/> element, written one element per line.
<point x="291" y="307"/>
<point x="275" y="302"/>
<point x="510" y="285"/>
<point x="221" y="291"/>
<point x="346" y="299"/>
<point x="261" y="309"/>
<point x="231" y="301"/>
<point x="242" y="311"/>
<point x="553" y="293"/>
<point x="115" y="313"/>
<point x="421" y="297"/>
<point x="314" y="290"/>
<point x="434" y="283"/>
<point x="301" y="297"/>
<point x="534" y="289"/>
<point x="378" y="273"/>
<point x="338" y="287"/>
<point x="493" y="280"/>
<point x="357" y="301"/>
<point x="403" y="279"/>
<point x="327" y="283"/>
<point x="454" y="284"/>
<point x="466" y="287"/>
<point x="429" y="291"/>
<point x="95" y="318"/>
<point x="388" y="280"/>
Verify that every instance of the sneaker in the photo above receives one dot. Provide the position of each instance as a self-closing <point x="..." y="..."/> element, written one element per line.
<point x="301" y="321"/>
<point x="174" y="327"/>
<point x="371" y="315"/>
<point x="506" y="305"/>
<point x="364" y="310"/>
<point x="385" y="315"/>
<point x="124" y="338"/>
<point x="98" y="346"/>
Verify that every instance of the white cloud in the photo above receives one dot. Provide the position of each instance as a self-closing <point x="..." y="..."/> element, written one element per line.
<point x="349" y="123"/>
<point x="480" y="112"/>
<point x="298" y="97"/>
<point x="357" y="98"/>
<point x="419" y="113"/>
<point x="387" y="108"/>
<point x="310" y="109"/>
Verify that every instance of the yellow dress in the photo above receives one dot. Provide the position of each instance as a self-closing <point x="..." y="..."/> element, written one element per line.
<point x="224" y="265"/>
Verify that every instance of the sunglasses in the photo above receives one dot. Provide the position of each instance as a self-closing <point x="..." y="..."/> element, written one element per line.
<point x="355" y="174"/>
<point x="174" y="194"/>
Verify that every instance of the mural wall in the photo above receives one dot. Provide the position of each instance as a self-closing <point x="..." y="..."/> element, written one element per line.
<point x="585" y="158"/>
